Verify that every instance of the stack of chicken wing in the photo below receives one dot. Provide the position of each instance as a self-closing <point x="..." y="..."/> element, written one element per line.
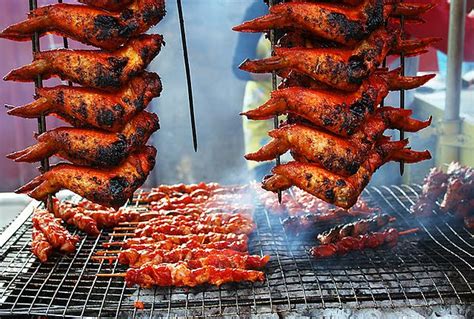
<point x="106" y="145"/>
<point x="329" y="57"/>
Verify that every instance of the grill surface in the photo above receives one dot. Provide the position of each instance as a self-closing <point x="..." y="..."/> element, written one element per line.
<point x="433" y="267"/>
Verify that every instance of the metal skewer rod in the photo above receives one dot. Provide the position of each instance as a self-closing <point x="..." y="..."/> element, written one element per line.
<point x="276" y="121"/>
<point x="188" y="74"/>
<point x="33" y="4"/>
<point x="402" y="91"/>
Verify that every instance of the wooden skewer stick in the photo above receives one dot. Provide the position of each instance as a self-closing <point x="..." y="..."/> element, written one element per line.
<point x="113" y="243"/>
<point x="122" y="234"/>
<point x="408" y="231"/>
<point x="103" y="252"/>
<point x="104" y="257"/>
<point x="130" y="223"/>
<point x="124" y="228"/>
<point x="120" y="274"/>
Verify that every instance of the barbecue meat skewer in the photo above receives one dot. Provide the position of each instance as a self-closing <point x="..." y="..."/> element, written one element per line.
<point x="338" y="112"/>
<point x="92" y="68"/>
<point x="53" y="231"/>
<point x="338" y="155"/>
<point x="91" y="147"/>
<point x="40" y="246"/>
<point x="335" y="189"/>
<point x="111" y="187"/>
<point x="360" y="227"/>
<point x="168" y="244"/>
<point x="86" y="107"/>
<point x="97" y="27"/>
<point x="344" y="25"/>
<point x="180" y="275"/>
<point x="75" y="217"/>
<point x="348" y="244"/>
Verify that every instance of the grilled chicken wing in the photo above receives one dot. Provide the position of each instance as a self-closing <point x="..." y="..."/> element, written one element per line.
<point x="333" y="188"/>
<point x="85" y="107"/>
<point x="111" y="5"/>
<point x="97" y="69"/>
<point x="344" y="25"/>
<point x="108" y="187"/>
<point x="91" y="147"/>
<point x="338" y="155"/>
<point x="97" y="27"/>
<point x="338" y="112"/>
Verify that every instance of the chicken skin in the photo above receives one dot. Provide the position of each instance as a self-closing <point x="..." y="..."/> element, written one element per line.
<point x="338" y="112"/>
<point x="89" y="25"/>
<point x="92" y="68"/>
<point x="110" y="5"/>
<point x="109" y="187"/>
<point x="342" y="69"/>
<point x="336" y="154"/>
<point x="91" y="147"/>
<point x="344" y="25"/>
<point x="92" y="108"/>
<point x="335" y="189"/>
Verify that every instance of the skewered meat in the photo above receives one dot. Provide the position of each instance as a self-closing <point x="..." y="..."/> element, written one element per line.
<point x="97" y="27"/>
<point x="434" y="186"/>
<point x="460" y="191"/>
<point x="40" y="246"/>
<point x="53" y="231"/>
<point x="169" y="244"/>
<point x="195" y="258"/>
<point x="335" y="189"/>
<point x="343" y="69"/>
<point x="336" y="154"/>
<point x="341" y="24"/>
<point x="214" y="219"/>
<point x="97" y="69"/>
<point x="73" y="216"/>
<point x="110" y="187"/>
<point x="91" y="147"/>
<point x="86" y="107"/>
<point x="340" y="113"/>
<point x="111" y="5"/>
<point x="348" y="244"/>
<point x="180" y="275"/>
<point x="360" y="227"/>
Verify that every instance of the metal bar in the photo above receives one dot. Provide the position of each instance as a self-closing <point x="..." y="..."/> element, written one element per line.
<point x="402" y="91"/>
<point x="188" y="74"/>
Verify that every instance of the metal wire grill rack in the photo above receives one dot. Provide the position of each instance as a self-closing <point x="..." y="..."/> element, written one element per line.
<point x="433" y="267"/>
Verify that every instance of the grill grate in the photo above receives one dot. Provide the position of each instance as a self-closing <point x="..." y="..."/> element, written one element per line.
<point x="435" y="268"/>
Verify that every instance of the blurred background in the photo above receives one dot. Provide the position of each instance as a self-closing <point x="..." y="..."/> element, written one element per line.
<point x="220" y="91"/>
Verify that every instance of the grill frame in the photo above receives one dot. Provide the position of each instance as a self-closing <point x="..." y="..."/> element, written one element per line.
<point x="433" y="269"/>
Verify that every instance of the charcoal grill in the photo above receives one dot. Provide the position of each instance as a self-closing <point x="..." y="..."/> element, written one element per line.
<point x="433" y="267"/>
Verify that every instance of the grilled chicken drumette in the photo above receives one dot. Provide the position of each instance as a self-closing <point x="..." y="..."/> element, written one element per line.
<point x="336" y="154"/>
<point x="333" y="188"/>
<point x="91" y="147"/>
<point x="338" y="112"/>
<point x="109" y="187"/>
<point x="86" y="107"/>
<point x="97" y="69"/>
<point x="97" y="27"/>
<point x="343" y="69"/>
<point x="344" y="25"/>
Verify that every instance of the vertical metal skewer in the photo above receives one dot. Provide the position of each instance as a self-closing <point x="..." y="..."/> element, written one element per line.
<point x="276" y="121"/>
<point x="33" y="4"/>
<point x="188" y="74"/>
<point x="402" y="91"/>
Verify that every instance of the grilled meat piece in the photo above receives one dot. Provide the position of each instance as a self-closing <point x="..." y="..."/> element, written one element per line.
<point x="109" y="187"/>
<point x="195" y="258"/>
<point x="335" y="189"/>
<point x="73" y="216"/>
<point x="460" y="190"/>
<point x="53" y="231"/>
<point x="343" y="69"/>
<point x="92" y="68"/>
<point x="338" y="155"/>
<point x="354" y="229"/>
<point x="170" y="244"/>
<point x="40" y="246"/>
<point x="110" y="5"/>
<point x="91" y="147"/>
<point x="344" y="25"/>
<point x="338" y="112"/>
<point x="91" y="108"/>
<point x="97" y="27"/>
<point x="180" y="275"/>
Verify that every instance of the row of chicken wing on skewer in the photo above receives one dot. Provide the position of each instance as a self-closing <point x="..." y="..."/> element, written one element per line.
<point x="106" y="146"/>
<point x="329" y="58"/>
